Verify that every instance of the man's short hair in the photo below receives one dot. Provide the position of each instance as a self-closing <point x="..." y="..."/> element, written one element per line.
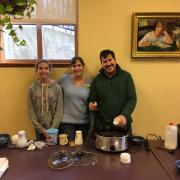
<point x="105" y="53"/>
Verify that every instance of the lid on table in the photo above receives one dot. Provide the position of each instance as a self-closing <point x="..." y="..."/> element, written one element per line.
<point x="84" y="158"/>
<point x="64" y="159"/>
<point x="61" y="159"/>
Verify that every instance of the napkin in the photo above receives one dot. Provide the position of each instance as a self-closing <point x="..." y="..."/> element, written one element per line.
<point x="4" y="164"/>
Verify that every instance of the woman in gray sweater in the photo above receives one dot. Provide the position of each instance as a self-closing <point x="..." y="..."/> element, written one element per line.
<point x="45" y="100"/>
<point x="76" y="94"/>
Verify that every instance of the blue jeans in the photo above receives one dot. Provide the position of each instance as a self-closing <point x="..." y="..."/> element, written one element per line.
<point x="70" y="130"/>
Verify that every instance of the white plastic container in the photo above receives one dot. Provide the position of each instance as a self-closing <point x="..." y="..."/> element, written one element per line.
<point x="125" y="158"/>
<point x="53" y="133"/>
<point x="22" y="140"/>
<point x="78" y="138"/>
<point x="171" y="136"/>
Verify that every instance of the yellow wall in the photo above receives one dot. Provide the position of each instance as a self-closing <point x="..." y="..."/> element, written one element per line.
<point x="106" y="24"/>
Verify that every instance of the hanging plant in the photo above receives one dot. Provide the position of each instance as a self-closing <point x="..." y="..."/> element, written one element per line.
<point x="16" y="9"/>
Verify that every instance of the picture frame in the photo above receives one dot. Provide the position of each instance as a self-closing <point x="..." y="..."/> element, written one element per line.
<point x="155" y="34"/>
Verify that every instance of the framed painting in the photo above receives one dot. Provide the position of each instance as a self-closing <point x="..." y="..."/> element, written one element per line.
<point x="156" y="35"/>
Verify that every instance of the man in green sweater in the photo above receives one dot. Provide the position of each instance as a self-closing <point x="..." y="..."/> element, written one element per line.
<point x="112" y="95"/>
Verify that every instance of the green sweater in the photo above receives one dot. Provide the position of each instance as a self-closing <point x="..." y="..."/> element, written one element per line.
<point x="114" y="96"/>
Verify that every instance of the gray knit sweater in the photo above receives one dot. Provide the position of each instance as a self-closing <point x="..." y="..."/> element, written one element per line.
<point x="75" y="101"/>
<point x="45" y="104"/>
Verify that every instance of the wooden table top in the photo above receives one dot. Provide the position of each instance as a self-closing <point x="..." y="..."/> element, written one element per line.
<point x="166" y="158"/>
<point x="32" y="165"/>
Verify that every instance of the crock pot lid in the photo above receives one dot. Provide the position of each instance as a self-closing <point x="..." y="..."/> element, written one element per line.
<point x="63" y="159"/>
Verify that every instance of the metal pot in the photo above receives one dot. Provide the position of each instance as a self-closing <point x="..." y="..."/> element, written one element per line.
<point x="111" y="141"/>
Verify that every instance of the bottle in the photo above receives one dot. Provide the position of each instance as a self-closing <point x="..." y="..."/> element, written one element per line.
<point x="171" y="136"/>
<point x="22" y="140"/>
<point x="78" y="138"/>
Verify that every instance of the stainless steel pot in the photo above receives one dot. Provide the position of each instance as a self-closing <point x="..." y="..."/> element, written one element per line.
<point x="111" y="141"/>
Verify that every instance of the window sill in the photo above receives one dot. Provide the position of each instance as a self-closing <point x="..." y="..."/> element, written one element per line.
<point x="30" y="63"/>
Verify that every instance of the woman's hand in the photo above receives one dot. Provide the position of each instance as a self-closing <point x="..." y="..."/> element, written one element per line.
<point x="45" y="134"/>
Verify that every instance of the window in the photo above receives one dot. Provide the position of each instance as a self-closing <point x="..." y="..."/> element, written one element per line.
<point x="59" y="41"/>
<point x="50" y="34"/>
<point x="28" y="52"/>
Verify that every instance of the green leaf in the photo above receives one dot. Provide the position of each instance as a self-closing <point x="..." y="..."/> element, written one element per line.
<point x="9" y="8"/>
<point x="16" y="39"/>
<point x="19" y="13"/>
<point x="21" y="2"/>
<point x="2" y="22"/>
<point x="2" y="9"/>
<point x="2" y="30"/>
<point x="23" y="43"/>
<point x="32" y="9"/>
<point x="32" y="2"/>
<point x="12" y="33"/>
<point x="20" y="27"/>
<point x="6" y="19"/>
<point x="28" y="14"/>
<point x="9" y="26"/>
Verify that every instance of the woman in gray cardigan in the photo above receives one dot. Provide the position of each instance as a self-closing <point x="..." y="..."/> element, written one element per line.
<point x="76" y="94"/>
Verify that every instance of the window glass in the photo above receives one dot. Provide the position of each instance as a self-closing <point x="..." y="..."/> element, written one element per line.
<point x="58" y="41"/>
<point x="50" y="33"/>
<point x="28" y="52"/>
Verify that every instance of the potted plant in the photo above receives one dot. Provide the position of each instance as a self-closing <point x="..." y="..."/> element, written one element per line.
<point x="16" y="9"/>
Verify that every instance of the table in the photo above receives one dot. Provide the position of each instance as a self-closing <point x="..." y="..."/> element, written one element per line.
<point x="32" y="165"/>
<point x="166" y="159"/>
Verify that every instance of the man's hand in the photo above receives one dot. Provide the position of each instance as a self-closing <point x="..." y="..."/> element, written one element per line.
<point x="120" y="121"/>
<point x="93" y="106"/>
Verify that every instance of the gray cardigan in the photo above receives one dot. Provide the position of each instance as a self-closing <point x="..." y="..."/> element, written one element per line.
<point x="75" y="101"/>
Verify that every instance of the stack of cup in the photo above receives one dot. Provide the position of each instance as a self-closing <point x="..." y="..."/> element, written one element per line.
<point x="125" y="158"/>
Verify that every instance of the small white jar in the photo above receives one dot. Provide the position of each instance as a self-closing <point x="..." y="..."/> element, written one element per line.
<point x="22" y="140"/>
<point x="78" y="138"/>
<point x="125" y="158"/>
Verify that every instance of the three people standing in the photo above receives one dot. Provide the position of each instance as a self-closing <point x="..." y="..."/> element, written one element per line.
<point x="111" y="95"/>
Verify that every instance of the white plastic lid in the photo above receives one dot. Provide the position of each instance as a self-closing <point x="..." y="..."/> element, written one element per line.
<point x="52" y="131"/>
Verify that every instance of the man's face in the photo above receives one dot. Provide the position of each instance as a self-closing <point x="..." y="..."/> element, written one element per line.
<point x="109" y="64"/>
